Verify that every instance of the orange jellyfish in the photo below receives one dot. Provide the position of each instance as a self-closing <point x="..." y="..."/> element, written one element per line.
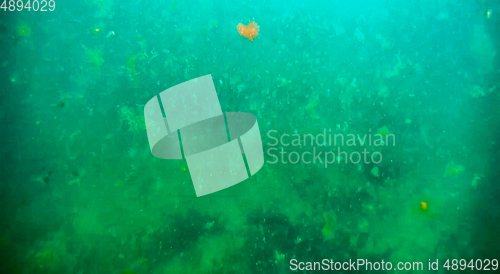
<point x="249" y="31"/>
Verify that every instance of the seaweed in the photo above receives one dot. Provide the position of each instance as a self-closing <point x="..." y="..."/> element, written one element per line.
<point x="94" y="56"/>
<point x="272" y="237"/>
<point x="182" y="233"/>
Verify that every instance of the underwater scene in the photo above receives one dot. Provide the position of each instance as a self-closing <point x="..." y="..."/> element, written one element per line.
<point x="357" y="136"/>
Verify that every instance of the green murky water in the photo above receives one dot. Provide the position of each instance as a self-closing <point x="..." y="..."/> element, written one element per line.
<point x="379" y="123"/>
